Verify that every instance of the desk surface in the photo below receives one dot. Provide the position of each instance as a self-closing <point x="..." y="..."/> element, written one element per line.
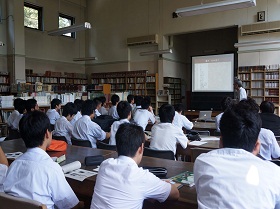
<point x="204" y="126"/>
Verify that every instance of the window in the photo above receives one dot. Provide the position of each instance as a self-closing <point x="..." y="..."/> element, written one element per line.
<point x="33" y="16"/>
<point x="65" y="21"/>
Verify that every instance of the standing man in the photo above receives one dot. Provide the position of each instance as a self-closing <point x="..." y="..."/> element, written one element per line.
<point x="241" y="92"/>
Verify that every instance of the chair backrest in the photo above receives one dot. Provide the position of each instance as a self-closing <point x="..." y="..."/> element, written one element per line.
<point x="101" y="145"/>
<point x="195" y="152"/>
<point x="13" y="134"/>
<point x="9" y="201"/>
<point x="164" y="154"/>
<point x="61" y="138"/>
<point x="80" y="142"/>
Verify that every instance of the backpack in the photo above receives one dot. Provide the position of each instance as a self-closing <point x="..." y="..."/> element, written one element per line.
<point x="105" y="122"/>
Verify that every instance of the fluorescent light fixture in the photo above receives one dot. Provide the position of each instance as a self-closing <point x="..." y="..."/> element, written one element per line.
<point x="84" y="59"/>
<point x="70" y="29"/>
<point x="214" y="7"/>
<point x="165" y="51"/>
<point x="256" y="43"/>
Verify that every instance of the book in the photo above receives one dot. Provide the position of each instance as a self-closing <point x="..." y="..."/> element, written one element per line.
<point x="59" y="159"/>
<point x="13" y="155"/>
<point x="185" y="178"/>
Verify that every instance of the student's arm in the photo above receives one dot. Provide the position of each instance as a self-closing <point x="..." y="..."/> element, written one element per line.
<point x="186" y="123"/>
<point x="174" y="193"/>
<point x="3" y="159"/>
<point x="275" y="149"/>
<point x="108" y="134"/>
<point x="79" y="205"/>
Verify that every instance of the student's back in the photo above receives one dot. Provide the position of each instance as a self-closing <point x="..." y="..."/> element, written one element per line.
<point x="143" y="116"/>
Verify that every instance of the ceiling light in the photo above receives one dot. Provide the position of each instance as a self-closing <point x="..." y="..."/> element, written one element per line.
<point x="70" y="29"/>
<point x="165" y="51"/>
<point x="214" y="7"/>
<point x="84" y="59"/>
<point x="256" y="43"/>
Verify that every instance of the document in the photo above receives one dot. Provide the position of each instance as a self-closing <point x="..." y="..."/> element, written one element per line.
<point x="197" y="143"/>
<point x="185" y="178"/>
<point x="13" y="155"/>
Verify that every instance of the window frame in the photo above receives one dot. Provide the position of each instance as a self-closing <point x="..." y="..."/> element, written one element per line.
<point x="40" y="15"/>
<point x="72" y="19"/>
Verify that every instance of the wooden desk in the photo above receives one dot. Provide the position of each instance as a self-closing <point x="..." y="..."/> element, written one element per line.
<point x="203" y="126"/>
<point x="194" y="114"/>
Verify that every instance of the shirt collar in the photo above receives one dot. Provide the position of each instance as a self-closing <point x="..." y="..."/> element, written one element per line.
<point x="37" y="150"/>
<point x="127" y="159"/>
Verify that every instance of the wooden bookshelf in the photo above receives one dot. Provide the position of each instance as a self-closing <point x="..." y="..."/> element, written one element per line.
<point x="4" y="83"/>
<point x="173" y="85"/>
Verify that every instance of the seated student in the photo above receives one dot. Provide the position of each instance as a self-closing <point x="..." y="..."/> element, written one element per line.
<point x="181" y="120"/>
<point x="53" y="113"/>
<point x="130" y="100"/>
<point x="124" y="111"/>
<point x="113" y="110"/>
<point x="138" y="100"/>
<point x="86" y="129"/>
<point x="15" y="113"/>
<point x="13" y="123"/>
<point x="103" y="110"/>
<point x="79" y="103"/>
<point x="121" y="183"/>
<point x="233" y="177"/>
<point x="62" y="126"/>
<point x="225" y="103"/>
<point x="34" y="175"/>
<point x="143" y="115"/>
<point x="269" y="119"/>
<point x="165" y="135"/>
<point x="98" y="104"/>
<point x="31" y="105"/>
<point x="3" y="168"/>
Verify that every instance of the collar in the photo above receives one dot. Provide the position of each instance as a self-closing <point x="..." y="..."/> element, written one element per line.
<point x="127" y="159"/>
<point x="37" y="150"/>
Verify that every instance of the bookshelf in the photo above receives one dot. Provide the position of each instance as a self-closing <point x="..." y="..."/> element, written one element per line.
<point x="162" y="99"/>
<point x="261" y="83"/>
<point x="152" y="88"/>
<point x="173" y="85"/>
<point x="4" y="83"/>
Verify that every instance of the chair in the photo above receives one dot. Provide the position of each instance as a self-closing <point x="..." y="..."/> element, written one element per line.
<point x="164" y="154"/>
<point x="9" y="201"/>
<point x="101" y="145"/>
<point x="80" y="142"/>
<point x="61" y="138"/>
<point x="184" y="154"/>
<point x="195" y="152"/>
<point x="13" y="134"/>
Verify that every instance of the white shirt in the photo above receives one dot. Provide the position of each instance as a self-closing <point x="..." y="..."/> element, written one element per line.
<point x="165" y="136"/>
<point x="75" y="118"/>
<point x="15" y="123"/>
<point x="122" y="184"/>
<point x="103" y="111"/>
<point x="114" y="129"/>
<point x="135" y="109"/>
<point x="35" y="176"/>
<point x="241" y="94"/>
<point x="113" y="112"/>
<point x="63" y="127"/>
<point x="269" y="145"/>
<point x="12" y="117"/>
<point x="181" y="121"/>
<point x="53" y="115"/>
<point x="86" y="129"/>
<point x="217" y="121"/>
<point x="142" y="117"/>
<point x="234" y="178"/>
<point x="97" y="113"/>
<point x="3" y="173"/>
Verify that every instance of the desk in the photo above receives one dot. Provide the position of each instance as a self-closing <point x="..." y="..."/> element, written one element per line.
<point x="194" y="114"/>
<point x="203" y="126"/>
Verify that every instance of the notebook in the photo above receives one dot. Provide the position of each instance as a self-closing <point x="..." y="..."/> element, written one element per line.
<point x="205" y="115"/>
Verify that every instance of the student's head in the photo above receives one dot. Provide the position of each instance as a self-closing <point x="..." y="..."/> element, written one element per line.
<point x="17" y="103"/>
<point x="130" y="98"/>
<point x="138" y="100"/>
<point x="129" y="138"/>
<point x="166" y="113"/>
<point x="21" y="106"/>
<point x="103" y="100"/>
<point x="56" y="104"/>
<point x="226" y="102"/>
<point x="98" y="103"/>
<point x="249" y="104"/>
<point x="124" y="110"/>
<point x="148" y="98"/>
<point x="69" y="111"/>
<point x="33" y="129"/>
<point x="145" y="104"/>
<point x="88" y="108"/>
<point x="179" y="107"/>
<point x="79" y="103"/>
<point x="237" y="83"/>
<point x="115" y="99"/>
<point x="240" y="127"/>
<point x="31" y="105"/>
<point x="267" y="107"/>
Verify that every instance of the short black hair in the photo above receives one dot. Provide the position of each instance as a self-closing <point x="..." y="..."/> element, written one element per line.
<point x="102" y="99"/>
<point x="129" y="138"/>
<point x="138" y="100"/>
<point x="179" y="107"/>
<point x="267" y="107"/>
<point x="79" y="103"/>
<point x="130" y="97"/>
<point x="33" y="127"/>
<point x="21" y="106"/>
<point x="226" y="103"/>
<point x="115" y="99"/>
<point x="55" y="102"/>
<point x="88" y="107"/>
<point x="30" y="104"/>
<point x="166" y="113"/>
<point x="69" y="109"/>
<point x="249" y="104"/>
<point x="240" y="127"/>
<point x="123" y="109"/>
<point x="148" y="98"/>
<point x="17" y="103"/>
<point x="145" y="103"/>
<point x="97" y="101"/>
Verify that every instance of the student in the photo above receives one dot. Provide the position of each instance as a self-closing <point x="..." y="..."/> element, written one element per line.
<point x="241" y="92"/>
<point x="138" y="100"/>
<point x="103" y="110"/>
<point x="98" y="104"/>
<point x="269" y="119"/>
<point x="124" y="111"/>
<point x="31" y="105"/>
<point x="121" y="183"/>
<point x="62" y="126"/>
<point x="130" y="100"/>
<point x="233" y="177"/>
<point x="3" y="168"/>
<point x="225" y="103"/>
<point x="34" y="175"/>
<point x="79" y="103"/>
<point x="53" y="113"/>
<point x="143" y="115"/>
<point x="17" y="114"/>
<point x="165" y="135"/>
<point x="181" y="120"/>
<point x="113" y="110"/>
<point x="86" y="129"/>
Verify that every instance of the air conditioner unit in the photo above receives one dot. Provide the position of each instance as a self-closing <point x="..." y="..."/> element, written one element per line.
<point x="260" y="28"/>
<point x="142" y="40"/>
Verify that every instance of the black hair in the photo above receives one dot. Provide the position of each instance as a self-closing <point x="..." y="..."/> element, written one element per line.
<point x="97" y="101"/>
<point x="21" y="106"/>
<point x="179" y="107"/>
<point x="129" y="138"/>
<point x="69" y="109"/>
<point x="148" y="98"/>
<point x="145" y="103"/>
<point x="33" y="127"/>
<point x="130" y="97"/>
<point x="240" y="127"/>
<point x="55" y="102"/>
<point x="226" y="103"/>
<point x="115" y="99"/>
<point x="267" y="107"/>
<point x="79" y="103"/>
<point x="17" y="102"/>
<point x="30" y="104"/>
<point x="123" y="109"/>
<point x="249" y="104"/>
<point x="138" y="100"/>
<point x="88" y="107"/>
<point x="166" y="113"/>
<point x="102" y="99"/>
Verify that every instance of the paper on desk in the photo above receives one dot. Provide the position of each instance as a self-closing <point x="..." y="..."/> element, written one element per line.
<point x="2" y="138"/>
<point x="210" y="138"/>
<point x="80" y="174"/>
<point x="13" y="155"/>
<point x="197" y="143"/>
